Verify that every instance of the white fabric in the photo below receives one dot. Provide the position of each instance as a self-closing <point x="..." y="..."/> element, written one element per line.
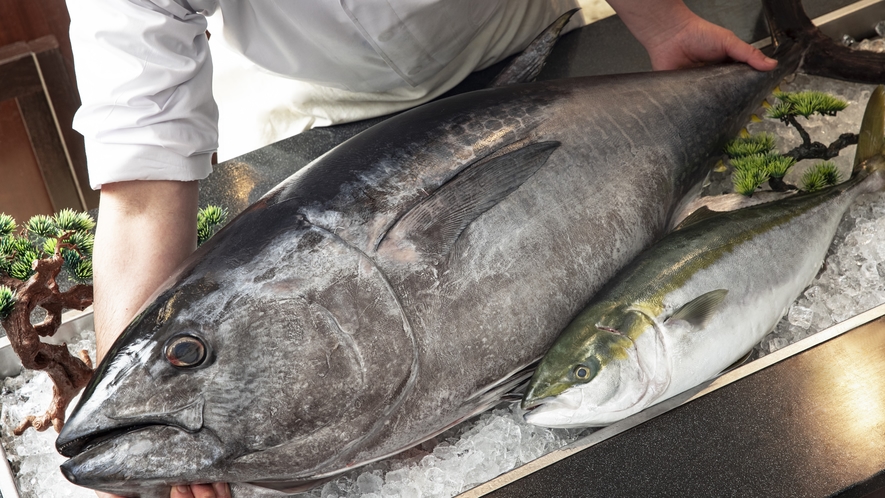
<point x="282" y="66"/>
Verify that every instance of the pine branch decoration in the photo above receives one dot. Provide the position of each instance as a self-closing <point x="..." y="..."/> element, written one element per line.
<point x="30" y="263"/>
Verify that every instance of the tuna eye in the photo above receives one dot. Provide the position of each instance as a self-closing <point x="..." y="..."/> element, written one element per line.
<point x="582" y="372"/>
<point x="185" y="351"/>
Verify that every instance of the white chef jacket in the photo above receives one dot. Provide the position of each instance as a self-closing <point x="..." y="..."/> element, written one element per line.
<point x="282" y="66"/>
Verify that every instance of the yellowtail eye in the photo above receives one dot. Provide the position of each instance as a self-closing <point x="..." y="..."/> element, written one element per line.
<point x="582" y="372"/>
<point x="185" y="351"/>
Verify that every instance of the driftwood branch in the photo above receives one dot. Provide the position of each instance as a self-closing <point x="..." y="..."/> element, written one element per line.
<point x="69" y="374"/>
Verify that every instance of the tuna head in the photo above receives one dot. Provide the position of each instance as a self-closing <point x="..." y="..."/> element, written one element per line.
<point x="607" y="364"/>
<point x="262" y="363"/>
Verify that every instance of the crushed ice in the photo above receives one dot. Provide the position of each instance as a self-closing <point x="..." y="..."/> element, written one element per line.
<point x="497" y="441"/>
<point x="32" y="455"/>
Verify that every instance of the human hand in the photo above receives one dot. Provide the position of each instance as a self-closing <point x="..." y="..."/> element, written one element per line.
<point x="675" y="37"/>
<point x="214" y="490"/>
<point x="697" y="42"/>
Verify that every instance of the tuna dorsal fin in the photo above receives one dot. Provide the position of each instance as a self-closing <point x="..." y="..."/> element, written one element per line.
<point x="526" y="66"/>
<point x="871" y="139"/>
<point x="699" y="310"/>
<point x="433" y="226"/>
<point x="700" y="214"/>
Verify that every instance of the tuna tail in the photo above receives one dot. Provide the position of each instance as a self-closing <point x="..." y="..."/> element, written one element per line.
<point x="870" y="155"/>
<point x="527" y="66"/>
<point x="823" y="56"/>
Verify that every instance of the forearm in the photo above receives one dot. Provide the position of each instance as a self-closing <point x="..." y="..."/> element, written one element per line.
<point x="145" y="229"/>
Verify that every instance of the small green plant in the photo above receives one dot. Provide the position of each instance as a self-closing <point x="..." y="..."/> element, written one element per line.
<point x="754" y="161"/>
<point x="805" y="104"/>
<point x="820" y="176"/>
<point x="31" y="260"/>
<point x="209" y="220"/>
<point x="7" y="301"/>
<point x="746" y="181"/>
<point x="758" y="143"/>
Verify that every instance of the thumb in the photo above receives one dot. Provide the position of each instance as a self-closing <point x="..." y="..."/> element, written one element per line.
<point x="741" y="51"/>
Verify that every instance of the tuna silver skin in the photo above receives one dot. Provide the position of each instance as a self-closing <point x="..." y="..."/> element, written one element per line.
<point x="697" y="301"/>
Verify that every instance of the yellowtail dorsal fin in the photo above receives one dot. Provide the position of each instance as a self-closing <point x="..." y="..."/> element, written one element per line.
<point x="871" y="138"/>
<point x="700" y="214"/>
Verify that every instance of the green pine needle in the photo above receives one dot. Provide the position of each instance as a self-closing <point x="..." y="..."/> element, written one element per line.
<point x="805" y="104"/>
<point x="7" y="225"/>
<point x="8" y="246"/>
<point x="209" y="219"/>
<point x="22" y="267"/>
<point x="781" y="111"/>
<point x="83" y="271"/>
<point x="49" y="246"/>
<point x="18" y="255"/>
<point x="83" y="241"/>
<point x="758" y="143"/>
<point x="7" y="301"/>
<point x="756" y="162"/>
<point x="746" y="181"/>
<point x="820" y="176"/>
<point x="42" y="226"/>
<point x="68" y="219"/>
<point x="778" y="165"/>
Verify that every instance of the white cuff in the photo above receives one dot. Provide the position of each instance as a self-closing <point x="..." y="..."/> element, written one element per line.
<point x="109" y="163"/>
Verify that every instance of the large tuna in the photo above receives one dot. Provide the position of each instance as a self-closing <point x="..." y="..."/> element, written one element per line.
<point x="401" y="282"/>
<point x="697" y="301"/>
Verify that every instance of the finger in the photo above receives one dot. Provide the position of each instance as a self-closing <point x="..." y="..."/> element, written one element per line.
<point x="181" y="492"/>
<point x="740" y="51"/>
<point x="106" y="495"/>
<point x="222" y="490"/>
<point x="203" y="491"/>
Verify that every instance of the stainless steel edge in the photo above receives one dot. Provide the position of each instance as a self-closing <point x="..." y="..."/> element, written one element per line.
<point x="857" y="20"/>
<point x="8" y="488"/>
<point x="73" y="323"/>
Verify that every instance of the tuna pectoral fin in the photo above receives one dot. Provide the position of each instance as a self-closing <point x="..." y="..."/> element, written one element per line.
<point x="700" y="309"/>
<point x="433" y="226"/>
<point x="527" y="65"/>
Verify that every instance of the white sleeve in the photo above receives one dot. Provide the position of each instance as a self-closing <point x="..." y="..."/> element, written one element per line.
<point x="145" y="80"/>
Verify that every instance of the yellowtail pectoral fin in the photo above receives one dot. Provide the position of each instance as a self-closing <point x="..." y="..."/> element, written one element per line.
<point x="699" y="310"/>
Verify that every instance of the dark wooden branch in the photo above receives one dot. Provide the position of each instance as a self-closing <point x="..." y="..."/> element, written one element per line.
<point x="69" y="374"/>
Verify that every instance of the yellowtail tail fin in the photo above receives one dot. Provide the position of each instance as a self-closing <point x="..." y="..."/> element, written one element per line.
<point x="870" y="153"/>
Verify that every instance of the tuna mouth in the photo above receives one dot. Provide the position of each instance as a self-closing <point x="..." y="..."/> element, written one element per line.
<point x="85" y="443"/>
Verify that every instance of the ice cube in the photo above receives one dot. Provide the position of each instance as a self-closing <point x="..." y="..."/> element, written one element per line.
<point x="800" y="316"/>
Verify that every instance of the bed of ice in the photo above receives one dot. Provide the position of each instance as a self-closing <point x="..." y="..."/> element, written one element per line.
<point x="850" y="282"/>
